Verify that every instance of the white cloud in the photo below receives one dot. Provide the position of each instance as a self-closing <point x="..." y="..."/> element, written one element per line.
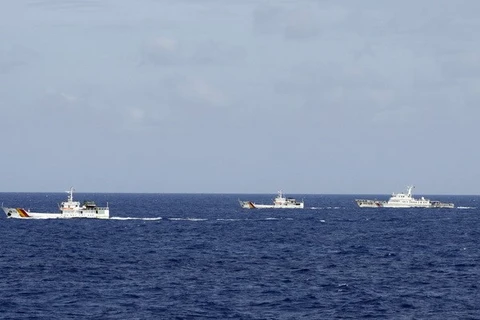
<point x="304" y="20"/>
<point x="200" y="90"/>
<point x="397" y="115"/>
<point x="70" y="5"/>
<point x="69" y="98"/>
<point x="167" y="51"/>
<point x="191" y="93"/>
<point x="161" y="51"/>
<point x="164" y="44"/>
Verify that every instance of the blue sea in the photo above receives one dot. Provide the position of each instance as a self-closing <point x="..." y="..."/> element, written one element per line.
<point x="200" y="256"/>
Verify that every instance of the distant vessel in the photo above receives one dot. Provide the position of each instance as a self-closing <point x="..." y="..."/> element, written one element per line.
<point x="280" y="202"/>
<point x="403" y="200"/>
<point x="68" y="210"/>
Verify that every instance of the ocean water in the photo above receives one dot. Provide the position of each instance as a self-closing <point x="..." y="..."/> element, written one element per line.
<point x="200" y="256"/>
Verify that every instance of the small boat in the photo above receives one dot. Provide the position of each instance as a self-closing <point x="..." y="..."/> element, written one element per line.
<point x="280" y="202"/>
<point x="403" y="200"/>
<point x="68" y="210"/>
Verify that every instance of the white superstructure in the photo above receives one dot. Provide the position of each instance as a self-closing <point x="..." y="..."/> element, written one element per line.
<point x="280" y="202"/>
<point x="68" y="209"/>
<point x="403" y="200"/>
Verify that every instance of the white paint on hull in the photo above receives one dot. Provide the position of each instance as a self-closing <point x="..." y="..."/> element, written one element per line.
<point x="280" y="202"/>
<point x="68" y="210"/>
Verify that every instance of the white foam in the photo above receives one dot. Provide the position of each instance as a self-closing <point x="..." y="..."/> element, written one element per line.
<point x="187" y="219"/>
<point x="466" y="207"/>
<point x="135" y="218"/>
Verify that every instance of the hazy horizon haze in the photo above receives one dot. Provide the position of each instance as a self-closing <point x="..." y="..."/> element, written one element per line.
<point x="208" y="96"/>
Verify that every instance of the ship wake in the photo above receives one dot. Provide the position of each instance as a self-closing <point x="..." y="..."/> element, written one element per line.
<point x="136" y="218"/>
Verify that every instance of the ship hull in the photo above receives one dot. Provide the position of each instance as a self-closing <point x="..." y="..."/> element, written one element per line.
<point x="20" y="213"/>
<point x="386" y="204"/>
<point x="252" y="205"/>
<point x="369" y="203"/>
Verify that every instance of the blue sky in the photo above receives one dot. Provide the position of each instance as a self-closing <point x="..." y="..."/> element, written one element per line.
<point x="240" y="96"/>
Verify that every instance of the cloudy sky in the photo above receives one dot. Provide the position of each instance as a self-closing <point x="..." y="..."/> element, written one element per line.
<point x="240" y="96"/>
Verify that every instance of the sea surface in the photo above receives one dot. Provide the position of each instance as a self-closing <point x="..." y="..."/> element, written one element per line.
<point x="200" y="256"/>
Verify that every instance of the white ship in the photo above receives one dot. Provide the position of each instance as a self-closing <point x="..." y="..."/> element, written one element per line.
<point x="280" y="202"/>
<point x="403" y="200"/>
<point x="68" y="210"/>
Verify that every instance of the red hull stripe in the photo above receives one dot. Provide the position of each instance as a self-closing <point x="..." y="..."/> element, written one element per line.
<point x="22" y="213"/>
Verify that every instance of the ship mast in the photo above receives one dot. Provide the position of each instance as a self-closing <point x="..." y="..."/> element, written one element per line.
<point x="70" y="194"/>
<point x="409" y="190"/>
